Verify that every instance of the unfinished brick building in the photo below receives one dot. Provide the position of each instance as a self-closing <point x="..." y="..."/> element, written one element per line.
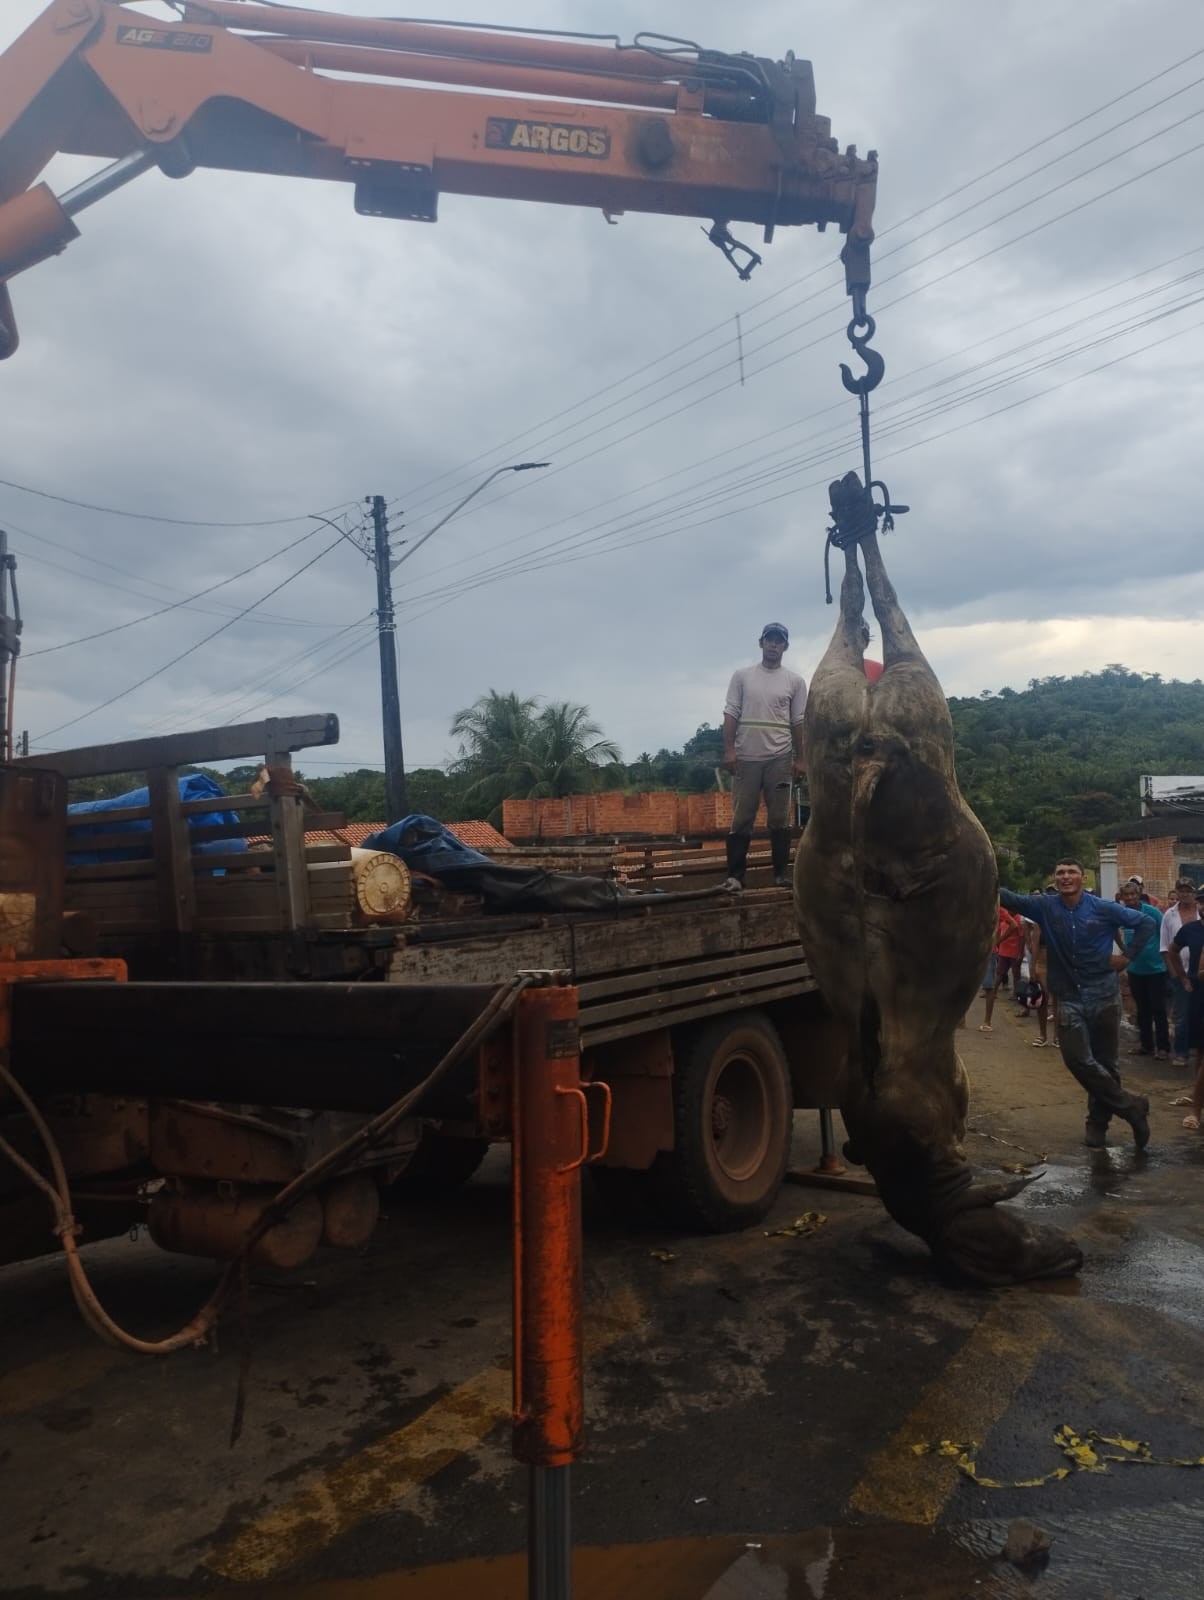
<point x="1161" y="849"/>
<point x="661" y="814"/>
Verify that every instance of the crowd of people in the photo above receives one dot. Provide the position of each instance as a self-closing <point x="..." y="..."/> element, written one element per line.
<point x="1075" y="945"/>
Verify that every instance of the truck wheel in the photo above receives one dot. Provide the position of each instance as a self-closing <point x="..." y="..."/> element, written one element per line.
<point x="733" y="1121"/>
<point x="439" y="1163"/>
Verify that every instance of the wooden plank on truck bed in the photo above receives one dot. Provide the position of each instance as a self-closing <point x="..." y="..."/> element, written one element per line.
<point x="280" y="734"/>
<point x="676" y="995"/>
<point x="597" y="947"/>
<point x="598" y="989"/>
<point x="608" y="1033"/>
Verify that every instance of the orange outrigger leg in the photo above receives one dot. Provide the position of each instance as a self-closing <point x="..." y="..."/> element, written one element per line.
<point x="558" y="1124"/>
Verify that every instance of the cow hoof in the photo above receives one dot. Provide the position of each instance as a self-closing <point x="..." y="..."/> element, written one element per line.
<point x="995" y="1246"/>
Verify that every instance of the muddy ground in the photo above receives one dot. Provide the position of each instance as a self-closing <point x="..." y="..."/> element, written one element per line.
<point x="753" y="1401"/>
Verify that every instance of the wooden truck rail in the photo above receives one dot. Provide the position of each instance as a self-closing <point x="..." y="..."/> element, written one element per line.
<point x="656" y="967"/>
<point x="699" y="1012"/>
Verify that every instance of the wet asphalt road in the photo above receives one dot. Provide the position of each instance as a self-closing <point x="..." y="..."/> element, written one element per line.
<point x="753" y="1402"/>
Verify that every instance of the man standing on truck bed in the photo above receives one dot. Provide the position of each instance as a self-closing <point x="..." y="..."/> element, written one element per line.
<point x="763" y="748"/>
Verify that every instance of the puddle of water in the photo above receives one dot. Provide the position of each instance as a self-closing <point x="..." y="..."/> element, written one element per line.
<point x="1097" y="1554"/>
<point x="1159" y="1271"/>
<point x="905" y="1563"/>
<point x="820" y="1565"/>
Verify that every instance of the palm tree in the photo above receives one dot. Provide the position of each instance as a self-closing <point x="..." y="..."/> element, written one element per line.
<point x="569" y="748"/>
<point x="492" y="728"/>
<point x="508" y="749"/>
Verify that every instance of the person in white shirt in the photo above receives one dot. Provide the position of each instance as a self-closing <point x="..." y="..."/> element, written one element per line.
<point x="763" y="748"/>
<point x="1182" y="908"/>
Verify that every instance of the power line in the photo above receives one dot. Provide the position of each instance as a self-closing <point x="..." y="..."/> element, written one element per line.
<point x="839" y="406"/>
<point x="147" y="516"/>
<point x="1039" y="144"/>
<point x="830" y="453"/>
<point x="643" y="428"/>
<point x="787" y="493"/>
<point x="192" y="649"/>
<point x="789" y="354"/>
<point x="329" y="666"/>
<point x="105" y="583"/>
<point x="551" y="440"/>
<point x="415" y="495"/>
<point x="133" y="622"/>
<point x="225" y="707"/>
<point x="233" y="705"/>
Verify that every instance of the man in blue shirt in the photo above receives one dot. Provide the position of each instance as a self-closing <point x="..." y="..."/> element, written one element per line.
<point x="1079" y="933"/>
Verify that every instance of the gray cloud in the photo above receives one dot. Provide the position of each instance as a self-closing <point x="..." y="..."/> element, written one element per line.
<point x="247" y="348"/>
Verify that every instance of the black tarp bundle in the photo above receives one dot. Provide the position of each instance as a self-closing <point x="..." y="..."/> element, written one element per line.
<point x="426" y="846"/>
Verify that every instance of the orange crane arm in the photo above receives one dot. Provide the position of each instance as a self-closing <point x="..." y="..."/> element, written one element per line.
<point x="658" y="125"/>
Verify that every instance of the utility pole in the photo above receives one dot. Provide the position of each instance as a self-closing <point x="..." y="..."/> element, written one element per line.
<point x="386" y="626"/>
<point x="386" y="632"/>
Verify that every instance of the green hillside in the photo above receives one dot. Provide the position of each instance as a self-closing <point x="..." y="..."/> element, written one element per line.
<point x="1052" y="768"/>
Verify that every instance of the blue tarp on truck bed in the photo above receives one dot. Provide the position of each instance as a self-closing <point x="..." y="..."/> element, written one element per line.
<point x="195" y="786"/>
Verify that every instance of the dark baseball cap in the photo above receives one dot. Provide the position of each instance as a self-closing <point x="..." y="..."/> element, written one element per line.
<point x="776" y="627"/>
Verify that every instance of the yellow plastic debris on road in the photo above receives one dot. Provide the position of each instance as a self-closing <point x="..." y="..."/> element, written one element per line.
<point x="1080" y="1449"/>
<point x="800" y="1227"/>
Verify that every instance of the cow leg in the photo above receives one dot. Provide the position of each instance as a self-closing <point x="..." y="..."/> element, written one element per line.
<point x="847" y="645"/>
<point x="898" y="641"/>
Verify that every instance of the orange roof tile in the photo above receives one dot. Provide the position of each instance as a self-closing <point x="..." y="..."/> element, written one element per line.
<point x="480" y="835"/>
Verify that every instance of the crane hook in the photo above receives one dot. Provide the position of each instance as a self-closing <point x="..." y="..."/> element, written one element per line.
<point x="875" y="365"/>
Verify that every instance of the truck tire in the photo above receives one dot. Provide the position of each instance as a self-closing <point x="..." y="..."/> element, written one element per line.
<point x="733" y="1114"/>
<point x="439" y="1163"/>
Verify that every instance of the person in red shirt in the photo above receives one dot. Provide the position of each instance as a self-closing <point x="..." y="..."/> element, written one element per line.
<point x="1009" y="953"/>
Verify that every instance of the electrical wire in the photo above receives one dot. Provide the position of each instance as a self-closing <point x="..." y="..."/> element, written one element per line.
<point x="192" y="649"/>
<point x="329" y="666"/>
<point x="147" y="516"/>
<point x="280" y="683"/>
<point x="526" y="560"/>
<point x="551" y="442"/>
<point x="230" y="705"/>
<point x="133" y="622"/>
<point x="920" y="410"/>
<point x="696" y="522"/>
<point x="643" y="428"/>
<point x="416" y="497"/>
<point x="75" y="572"/>
<point x="838" y="407"/>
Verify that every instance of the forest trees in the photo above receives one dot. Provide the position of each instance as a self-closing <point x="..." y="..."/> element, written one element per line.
<point x="512" y="747"/>
<point x="1049" y="770"/>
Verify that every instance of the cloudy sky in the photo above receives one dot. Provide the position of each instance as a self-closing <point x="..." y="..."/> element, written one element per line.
<point x="246" y="350"/>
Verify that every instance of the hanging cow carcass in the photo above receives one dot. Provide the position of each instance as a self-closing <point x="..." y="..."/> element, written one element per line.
<point x="896" y="892"/>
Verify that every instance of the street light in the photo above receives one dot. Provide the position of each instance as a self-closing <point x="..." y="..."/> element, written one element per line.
<point x="390" y="701"/>
<point x="521" y="466"/>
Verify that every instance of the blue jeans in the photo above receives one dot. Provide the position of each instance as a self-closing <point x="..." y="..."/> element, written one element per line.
<point x="988" y="980"/>
<point x="1180" y="1006"/>
<point x="1089" y="1036"/>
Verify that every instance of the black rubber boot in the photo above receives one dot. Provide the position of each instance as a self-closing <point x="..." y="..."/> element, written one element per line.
<point x="1096" y="1136"/>
<point x="779" y="852"/>
<point x="737" y="858"/>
